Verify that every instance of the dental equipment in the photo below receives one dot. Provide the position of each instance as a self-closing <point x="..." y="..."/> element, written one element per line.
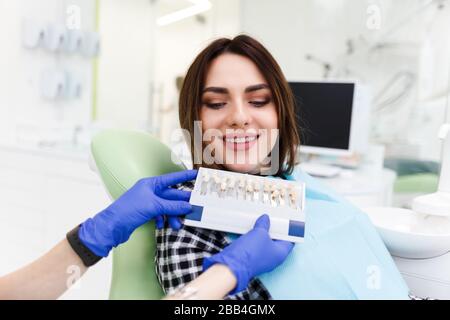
<point x="231" y="186"/>
<point x="256" y="196"/>
<point x="205" y="181"/>
<point x="438" y="203"/>
<point x="419" y="239"/>
<point x="219" y="205"/>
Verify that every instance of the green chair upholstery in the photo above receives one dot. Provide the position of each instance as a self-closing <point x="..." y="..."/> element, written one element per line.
<point x="122" y="157"/>
<point x="417" y="183"/>
<point x="414" y="176"/>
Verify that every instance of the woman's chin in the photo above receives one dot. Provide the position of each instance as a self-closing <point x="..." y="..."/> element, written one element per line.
<point x="242" y="168"/>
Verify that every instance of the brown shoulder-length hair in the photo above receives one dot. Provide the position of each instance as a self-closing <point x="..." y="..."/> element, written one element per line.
<point x="190" y="100"/>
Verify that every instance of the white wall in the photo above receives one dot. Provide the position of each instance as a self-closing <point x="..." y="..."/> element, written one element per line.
<point x="177" y="46"/>
<point x="139" y="62"/>
<point x="126" y="64"/>
<point x="292" y="29"/>
<point x="43" y="194"/>
<point x="20" y="100"/>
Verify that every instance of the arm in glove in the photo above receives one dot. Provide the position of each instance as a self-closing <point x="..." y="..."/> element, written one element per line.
<point x="149" y="198"/>
<point x="252" y="254"/>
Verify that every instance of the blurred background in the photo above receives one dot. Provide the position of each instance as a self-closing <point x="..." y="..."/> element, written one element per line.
<point x="69" y="69"/>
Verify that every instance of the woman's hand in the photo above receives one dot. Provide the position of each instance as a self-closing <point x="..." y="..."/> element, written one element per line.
<point x="252" y="254"/>
<point x="148" y="199"/>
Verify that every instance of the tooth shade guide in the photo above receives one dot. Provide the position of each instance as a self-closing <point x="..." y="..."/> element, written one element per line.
<point x="223" y="185"/>
<point x="293" y="198"/>
<point x="237" y="200"/>
<point x="205" y="181"/>
<point x="256" y="192"/>
<point x="274" y="195"/>
<point x="282" y="202"/>
<point x="250" y="186"/>
<point x="266" y="191"/>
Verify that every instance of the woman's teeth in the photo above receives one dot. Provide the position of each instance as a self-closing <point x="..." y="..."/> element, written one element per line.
<point x="241" y="139"/>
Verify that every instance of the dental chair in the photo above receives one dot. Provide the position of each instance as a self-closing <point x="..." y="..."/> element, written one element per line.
<point x="414" y="178"/>
<point x="121" y="158"/>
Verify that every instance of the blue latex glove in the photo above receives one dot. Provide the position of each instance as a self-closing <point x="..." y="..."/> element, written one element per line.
<point x="148" y="199"/>
<point x="252" y="254"/>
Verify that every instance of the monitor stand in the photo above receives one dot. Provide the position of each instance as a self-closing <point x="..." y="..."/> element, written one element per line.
<point x="320" y="170"/>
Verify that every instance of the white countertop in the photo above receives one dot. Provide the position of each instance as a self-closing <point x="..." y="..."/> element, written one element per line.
<point x="358" y="182"/>
<point x="69" y="152"/>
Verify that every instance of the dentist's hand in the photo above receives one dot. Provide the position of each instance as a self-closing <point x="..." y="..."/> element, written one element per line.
<point x="148" y="199"/>
<point x="252" y="254"/>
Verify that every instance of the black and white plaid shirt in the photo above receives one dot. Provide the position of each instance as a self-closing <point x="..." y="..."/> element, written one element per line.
<point x="179" y="257"/>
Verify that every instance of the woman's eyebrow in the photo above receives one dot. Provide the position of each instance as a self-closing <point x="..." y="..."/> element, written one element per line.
<point x="256" y="87"/>
<point x="216" y="90"/>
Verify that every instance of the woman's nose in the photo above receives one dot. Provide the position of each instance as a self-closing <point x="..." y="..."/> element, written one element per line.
<point x="239" y="116"/>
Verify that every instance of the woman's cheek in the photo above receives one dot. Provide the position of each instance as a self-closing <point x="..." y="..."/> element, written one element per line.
<point x="268" y="121"/>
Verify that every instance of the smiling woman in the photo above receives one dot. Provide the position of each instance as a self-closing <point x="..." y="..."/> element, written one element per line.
<point x="236" y="88"/>
<point x="236" y="96"/>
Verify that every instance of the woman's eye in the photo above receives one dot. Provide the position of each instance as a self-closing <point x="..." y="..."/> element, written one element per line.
<point x="215" y="105"/>
<point x="261" y="103"/>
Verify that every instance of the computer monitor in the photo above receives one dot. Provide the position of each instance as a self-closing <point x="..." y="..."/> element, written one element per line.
<point x="332" y="117"/>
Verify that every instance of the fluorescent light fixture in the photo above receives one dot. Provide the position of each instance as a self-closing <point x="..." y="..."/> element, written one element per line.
<point x="198" y="6"/>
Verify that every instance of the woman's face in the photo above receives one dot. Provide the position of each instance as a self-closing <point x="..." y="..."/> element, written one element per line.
<point x="237" y="102"/>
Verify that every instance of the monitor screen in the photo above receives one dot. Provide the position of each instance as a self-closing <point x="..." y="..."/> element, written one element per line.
<point x="324" y="113"/>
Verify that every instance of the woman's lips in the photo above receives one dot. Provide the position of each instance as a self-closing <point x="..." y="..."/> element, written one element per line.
<point x="240" y="142"/>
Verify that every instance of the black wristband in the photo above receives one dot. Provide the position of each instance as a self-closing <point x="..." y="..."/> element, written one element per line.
<point x="87" y="256"/>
